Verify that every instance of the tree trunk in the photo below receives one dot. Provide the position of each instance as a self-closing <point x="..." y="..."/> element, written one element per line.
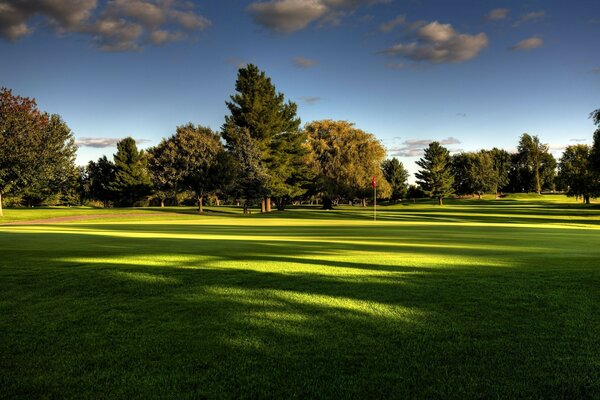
<point x="440" y="201"/>
<point x="479" y="194"/>
<point x="217" y="201"/>
<point x="280" y="203"/>
<point x="245" y="207"/>
<point x="162" y="203"/>
<point x="586" y="198"/>
<point x="200" y="209"/>
<point x="327" y="203"/>
<point x="263" y="207"/>
<point x="538" y="186"/>
<point x="268" y="204"/>
<point x="1" y="211"/>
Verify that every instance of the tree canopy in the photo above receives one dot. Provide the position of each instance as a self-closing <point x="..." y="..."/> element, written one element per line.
<point x="37" y="150"/>
<point x="435" y="175"/>
<point x="259" y="112"/>
<point x="345" y="158"/>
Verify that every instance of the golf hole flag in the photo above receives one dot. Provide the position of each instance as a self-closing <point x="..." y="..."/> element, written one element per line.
<point x="374" y="182"/>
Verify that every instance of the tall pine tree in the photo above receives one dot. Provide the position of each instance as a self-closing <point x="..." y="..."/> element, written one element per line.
<point x="132" y="182"/>
<point x="259" y="112"/>
<point x="435" y="177"/>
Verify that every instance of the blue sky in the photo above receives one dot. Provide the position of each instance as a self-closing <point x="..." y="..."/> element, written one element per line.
<point x="472" y="74"/>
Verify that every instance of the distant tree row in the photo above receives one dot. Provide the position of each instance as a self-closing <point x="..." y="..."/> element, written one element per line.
<point x="262" y="156"/>
<point x="531" y="169"/>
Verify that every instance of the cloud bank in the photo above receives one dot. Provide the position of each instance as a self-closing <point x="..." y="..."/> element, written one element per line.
<point x="497" y="14"/>
<point x="530" y="17"/>
<point x="310" y="99"/>
<point x="100" y="142"/>
<point x="416" y="147"/>
<point x="117" y="25"/>
<point x="302" y="62"/>
<point x="528" y="44"/>
<point x="438" y="43"/>
<point x="287" y="16"/>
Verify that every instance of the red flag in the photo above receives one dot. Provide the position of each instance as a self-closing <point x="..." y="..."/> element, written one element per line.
<point x="374" y="182"/>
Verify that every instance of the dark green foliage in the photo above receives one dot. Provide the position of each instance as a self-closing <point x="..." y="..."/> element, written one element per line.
<point x="193" y="159"/>
<point x="415" y="192"/>
<point x="535" y="166"/>
<point x="165" y="172"/>
<point x="461" y="167"/>
<point x="435" y="176"/>
<point x="397" y="176"/>
<point x="132" y="182"/>
<point x="501" y="160"/>
<point x="595" y="151"/>
<point x="99" y="177"/>
<point x="482" y="173"/>
<point x="574" y="172"/>
<point x="259" y="112"/>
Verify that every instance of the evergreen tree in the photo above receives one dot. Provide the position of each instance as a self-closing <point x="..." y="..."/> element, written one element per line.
<point x="436" y="177"/>
<point x="397" y="176"/>
<point x="259" y="112"/>
<point x="131" y="183"/>
<point x="251" y="175"/>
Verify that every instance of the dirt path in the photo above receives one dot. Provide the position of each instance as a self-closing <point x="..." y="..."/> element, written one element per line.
<point x="58" y="220"/>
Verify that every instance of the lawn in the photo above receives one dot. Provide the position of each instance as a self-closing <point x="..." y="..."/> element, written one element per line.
<point x="476" y="299"/>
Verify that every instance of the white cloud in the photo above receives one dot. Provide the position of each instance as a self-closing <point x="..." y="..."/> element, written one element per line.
<point x="287" y="16"/>
<point x="390" y="25"/>
<point x="416" y="147"/>
<point x="528" y="44"/>
<point x="102" y="142"/>
<point x="577" y="140"/>
<point x="117" y="25"/>
<point x="302" y="62"/>
<point x="497" y="14"/>
<point x="439" y="43"/>
<point x="530" y="17"/>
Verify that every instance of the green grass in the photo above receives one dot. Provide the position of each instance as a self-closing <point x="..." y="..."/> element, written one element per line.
<point x="477" y="299"/>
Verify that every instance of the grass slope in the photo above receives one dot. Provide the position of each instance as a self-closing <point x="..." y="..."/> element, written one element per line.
<point x="472" y="300"/>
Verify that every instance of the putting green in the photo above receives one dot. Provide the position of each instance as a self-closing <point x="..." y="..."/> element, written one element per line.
<point x="475" y="299"/>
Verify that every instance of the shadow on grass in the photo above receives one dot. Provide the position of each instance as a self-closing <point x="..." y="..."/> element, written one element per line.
<point x="425" y="313"/>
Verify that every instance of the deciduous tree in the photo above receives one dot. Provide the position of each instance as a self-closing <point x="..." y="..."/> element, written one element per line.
<point x="575" y="173"/>
<point x="37" y="150"/>
<point x="346" y="158"/>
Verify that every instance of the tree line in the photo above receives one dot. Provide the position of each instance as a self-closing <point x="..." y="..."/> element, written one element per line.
<point x="263" y="156"/>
